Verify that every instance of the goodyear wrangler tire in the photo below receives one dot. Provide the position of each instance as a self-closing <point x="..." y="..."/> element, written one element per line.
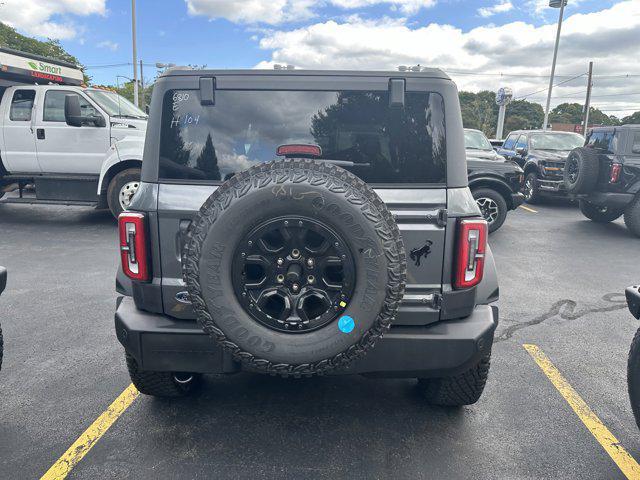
<point x="296" y="267"/>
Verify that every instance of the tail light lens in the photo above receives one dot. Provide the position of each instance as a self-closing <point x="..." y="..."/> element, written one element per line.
<point x="471" y="248"/>
<point x="616" y="168"/>
<point x="133" y="246"/>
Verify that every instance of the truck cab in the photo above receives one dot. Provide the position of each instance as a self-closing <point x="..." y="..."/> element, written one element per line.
<point x="89" y="162"/>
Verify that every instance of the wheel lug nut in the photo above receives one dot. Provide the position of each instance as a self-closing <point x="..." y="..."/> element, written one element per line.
<point x="295" y="287"/>
<point x="300" y="223"/>
<point x="280" y="278"/>
<point x="280" y="261"/>
<point x="249" y="243"/>
<point x="311" y="279"/>
<point x="295" y="253"/>
<point x="310" y="262"/>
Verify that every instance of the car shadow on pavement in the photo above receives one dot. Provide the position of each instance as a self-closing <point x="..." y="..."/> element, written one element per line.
<point x="337" y="424"/>
<point x="16" y="215"/>
<point x="610" y="230"/>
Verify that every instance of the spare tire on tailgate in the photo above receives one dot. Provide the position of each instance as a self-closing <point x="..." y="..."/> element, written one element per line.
<point x="581" y="170"/>
<point x="295" y="266"/>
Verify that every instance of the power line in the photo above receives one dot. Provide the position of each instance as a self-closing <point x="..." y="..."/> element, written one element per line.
<point x="556" y="85"/>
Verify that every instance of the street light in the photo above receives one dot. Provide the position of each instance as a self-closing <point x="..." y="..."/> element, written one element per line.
<point x="554" y="4"/>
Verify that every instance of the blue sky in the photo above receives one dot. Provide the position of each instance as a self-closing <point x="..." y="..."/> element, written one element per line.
<point x="514" y="37"/>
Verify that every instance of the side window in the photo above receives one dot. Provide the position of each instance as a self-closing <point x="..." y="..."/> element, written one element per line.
<point x="635" y="148"/>
<point x="522" y="142"/>
<point x="22" y="105"/>
<point x="603" y="140"/>
<point x="510" y="142"/>
<point x="54" y="105"/>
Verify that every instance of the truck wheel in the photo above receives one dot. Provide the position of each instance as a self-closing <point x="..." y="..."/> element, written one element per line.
<point x="1" y="348"/>
<point x="121" y="190"/>
<point x="633" y="376"/>
<point x="632" y="216"/>
<point x="162" y="384"/>
<point x="599" y="214"/>
<point x="463" y="389"/>
<point x="581" y="170"/>
<point x="295" y="267"/>
<point x="493" y="207"/>
<point x="531" y="189"/>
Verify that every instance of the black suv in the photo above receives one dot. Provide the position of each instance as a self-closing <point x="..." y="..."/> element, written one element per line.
<point x="542" y="156"/>
<point x="239" y="261"/>
<point x="494" y="181"/>
<point x="605" y="175"/>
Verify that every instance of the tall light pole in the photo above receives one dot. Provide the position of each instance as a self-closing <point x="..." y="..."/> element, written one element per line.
<point x="554" y="4"/>
<point x="135" y="53"/>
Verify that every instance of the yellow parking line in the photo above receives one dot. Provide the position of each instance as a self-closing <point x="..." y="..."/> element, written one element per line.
<point x="609" y="442"/>
<point x="528" y="209"/>
<point x="91" y="435"/>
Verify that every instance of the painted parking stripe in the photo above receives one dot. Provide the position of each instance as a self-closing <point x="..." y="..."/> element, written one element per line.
<point x="91" y="435"/>
<point x="605" y="438"/>
<point x="524" y="207"/>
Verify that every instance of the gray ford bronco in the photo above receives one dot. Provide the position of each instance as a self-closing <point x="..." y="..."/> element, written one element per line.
<point x="290" y="222"/>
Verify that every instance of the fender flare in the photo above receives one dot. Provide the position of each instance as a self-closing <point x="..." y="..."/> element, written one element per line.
<point x="123" y="154"/>
<point x="496" y="184"/>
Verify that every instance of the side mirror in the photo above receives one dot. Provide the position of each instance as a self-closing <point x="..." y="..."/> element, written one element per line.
<point x="3" y="279"/>
<point x="72" y="113"/>
<point x="521" y="151"/>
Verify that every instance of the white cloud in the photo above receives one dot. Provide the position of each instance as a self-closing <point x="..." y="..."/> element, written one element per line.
<point x="274" y="12"/>
<point x="109" y="45"/>
<point x="34" y="17"/>
<point x="608" y="37"/>
<point x="406" y="6"/>
<point x="500" y="7"/>
<point x="252" y="11"/>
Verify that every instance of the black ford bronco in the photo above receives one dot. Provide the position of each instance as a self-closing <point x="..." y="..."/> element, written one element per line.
<point x="290" y="222"/>
<point x="604" y="175"/>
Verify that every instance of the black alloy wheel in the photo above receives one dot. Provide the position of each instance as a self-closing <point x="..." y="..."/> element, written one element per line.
<point x="293" y="274"/>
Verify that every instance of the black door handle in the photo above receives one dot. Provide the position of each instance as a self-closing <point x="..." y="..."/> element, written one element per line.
<point x="40" y="133"/>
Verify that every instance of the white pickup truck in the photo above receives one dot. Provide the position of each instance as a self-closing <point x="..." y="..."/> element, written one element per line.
<point x="76" y="145"/>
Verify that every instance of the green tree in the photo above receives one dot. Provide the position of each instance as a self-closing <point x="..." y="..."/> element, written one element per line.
<point x="479" y="111"/>
<point x="633" y="118"/>
<point x="48" y="48"/>
<point x="574" y="113"/>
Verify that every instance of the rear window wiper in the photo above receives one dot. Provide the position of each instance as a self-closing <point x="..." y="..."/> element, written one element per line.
<point x="343" y="163"/>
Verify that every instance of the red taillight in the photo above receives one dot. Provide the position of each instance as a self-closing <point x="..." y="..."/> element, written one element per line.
<point x="471" y="247"/>
<point x="133" y="246"/>
<point x="299" y="149"/>
<point x="616" y="168"/>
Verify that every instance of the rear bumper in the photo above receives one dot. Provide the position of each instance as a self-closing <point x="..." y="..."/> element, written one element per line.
<point x="161" y="343"/>
<point x="608" y="199"/>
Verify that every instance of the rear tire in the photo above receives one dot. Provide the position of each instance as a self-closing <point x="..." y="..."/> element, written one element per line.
<point x="493" y="207"/>
<point x="632" y="216"/>
<point x="121" y="189"/>
<point x="458" y="390"/>
<point x="531" y="189"/>
<point x="1" y="348"/>
<point x="599" y="214"/>
<point x="581" y="170"/>
<point x="633" y="376"/>
<point x="162" y="384"/>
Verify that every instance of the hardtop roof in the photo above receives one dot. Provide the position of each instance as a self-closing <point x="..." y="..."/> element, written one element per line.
<point x="424" y="73"/>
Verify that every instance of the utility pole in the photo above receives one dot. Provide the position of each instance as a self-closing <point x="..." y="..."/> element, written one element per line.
<point x="135" y="53"/>
<point x="142" y="103"/>
<point x="554" y="4"/>
<point x="587" y="103"/>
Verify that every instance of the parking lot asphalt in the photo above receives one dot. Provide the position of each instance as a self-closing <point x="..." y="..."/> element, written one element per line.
<point x="561" y="281"/>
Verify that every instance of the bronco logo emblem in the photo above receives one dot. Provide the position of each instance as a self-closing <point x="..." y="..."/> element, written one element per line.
<point x="417" y="253"/>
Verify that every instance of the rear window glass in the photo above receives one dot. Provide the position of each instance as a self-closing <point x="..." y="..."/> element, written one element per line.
<point x="244" y="128"/>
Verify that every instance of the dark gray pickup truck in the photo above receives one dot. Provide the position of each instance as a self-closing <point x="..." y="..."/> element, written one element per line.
<point x="290" y="222"/>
